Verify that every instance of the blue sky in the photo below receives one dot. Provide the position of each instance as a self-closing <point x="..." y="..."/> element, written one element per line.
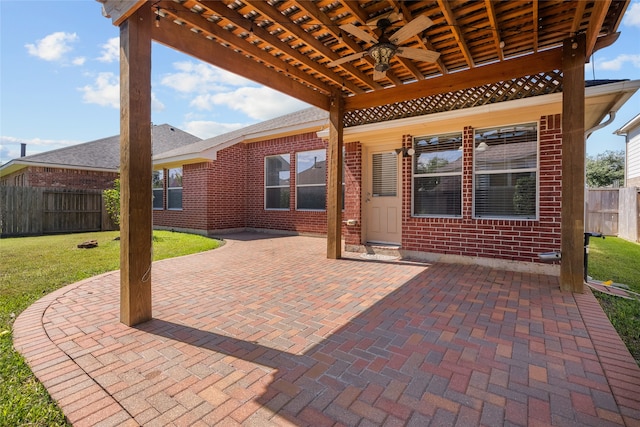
<point x="59" y="81"/>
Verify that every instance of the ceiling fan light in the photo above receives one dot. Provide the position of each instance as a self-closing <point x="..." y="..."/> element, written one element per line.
<point x="382" y="53"/>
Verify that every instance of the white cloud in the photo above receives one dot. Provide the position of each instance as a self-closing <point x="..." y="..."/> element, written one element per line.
<point x="156" y="104"/>
<point x="80" y="60"/>
<point x="618" y="62"/>
<point x="632" y="15"/>
<point x="207" y="129"/>
<point x="105" y="91"/>
<point x="110" y="50"/>
<point x="260" y="103"/>
<point x="52" y="47"/>
<point x="194" y="77"/>
<point x="10" y="146"/>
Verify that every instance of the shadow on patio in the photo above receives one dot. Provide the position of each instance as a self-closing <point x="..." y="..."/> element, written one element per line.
<point x="270" y="332"/>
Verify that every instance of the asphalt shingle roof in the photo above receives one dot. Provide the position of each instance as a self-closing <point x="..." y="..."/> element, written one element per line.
<point x="105" y="153"/>
<point x="297" y="118"/>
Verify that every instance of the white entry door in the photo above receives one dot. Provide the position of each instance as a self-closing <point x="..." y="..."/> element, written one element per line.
<point x="382" y="197"/>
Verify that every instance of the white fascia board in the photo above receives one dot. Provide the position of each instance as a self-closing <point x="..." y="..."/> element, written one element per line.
<point x="211" y="153"/>
<point x="288" y="130"/>
<point x="16" y="165"/>
<point x="205" y="155"/>
<point x="630" y="125"/>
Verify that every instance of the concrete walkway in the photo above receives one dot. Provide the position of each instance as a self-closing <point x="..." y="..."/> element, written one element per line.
<point x="266" y="331"/>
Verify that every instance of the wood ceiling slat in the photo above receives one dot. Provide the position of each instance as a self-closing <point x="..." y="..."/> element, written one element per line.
<point x="451" y="20"/>
<point x="295" y="39"/>
<point x="313" y="10"/>
<point x="276" y="14"/>
<point x="172" y="10"/>
<point x="183" y="39"/>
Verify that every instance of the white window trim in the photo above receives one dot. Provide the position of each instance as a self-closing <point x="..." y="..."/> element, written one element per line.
<point x="311" y="185"/>
<point x="433" y="175"/>
<point x="492" y="172"/>
<point x="264" y="174"/>
<point x="174" y="188"/>
<point x="154" y="189"/>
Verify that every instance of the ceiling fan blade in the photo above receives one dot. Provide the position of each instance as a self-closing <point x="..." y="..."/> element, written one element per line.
<point x="361" y="34"/>
<point x="379" y="75"/>
<point x="418" y="54"/>
<point x="419" y="24"/>
<point x="346" y="59"/>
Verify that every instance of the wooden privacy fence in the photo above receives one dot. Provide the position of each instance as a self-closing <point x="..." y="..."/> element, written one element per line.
<point x="602" y="211"/>
<point x="28" y="211"/>
<point x="629" y="217"/>
<point x="614" y="212"/>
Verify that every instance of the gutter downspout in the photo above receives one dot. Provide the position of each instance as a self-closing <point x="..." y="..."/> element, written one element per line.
<point x="587" y="134"/>
<point x="612" y="117"/>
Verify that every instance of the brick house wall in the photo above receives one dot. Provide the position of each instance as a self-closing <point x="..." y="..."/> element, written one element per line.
<point x="352" y="234"/>
<point x="300" y="221"/>
<point x="228" y="194"/>
<point x="50" y="177"/>
<point x="213" y="195"/>
<point x="516" y="240"/>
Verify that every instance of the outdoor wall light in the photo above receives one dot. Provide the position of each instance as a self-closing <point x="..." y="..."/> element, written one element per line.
<point x="382" y="53"/>
<point x="406" y="151"/>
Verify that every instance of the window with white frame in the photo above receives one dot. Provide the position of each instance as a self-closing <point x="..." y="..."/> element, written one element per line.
<point x="437" y="175"/>
<point x="311" y="180"/>
<point x="158" y="189"/>
<point x="174" y="188"/>
<point x="277" y="176"/>
<point x="506" y="172"/>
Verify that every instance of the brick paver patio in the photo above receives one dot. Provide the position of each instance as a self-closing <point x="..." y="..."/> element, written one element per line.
<point x="266" y="331"/>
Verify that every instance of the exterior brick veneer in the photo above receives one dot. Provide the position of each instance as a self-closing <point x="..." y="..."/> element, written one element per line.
<point x="48" y="177"/>
<point x="227" y="194"/>
<point x="516" y="240"/>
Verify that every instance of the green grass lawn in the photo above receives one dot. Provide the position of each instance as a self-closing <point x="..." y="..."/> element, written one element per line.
<point x="619" y="260"/>
<point x="31" y="267"/>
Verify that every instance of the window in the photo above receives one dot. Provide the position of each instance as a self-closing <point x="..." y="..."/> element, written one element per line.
<point x="276" y="181"/>
<point x="158" y="189"/>
<point x="384" y="174"/>
<point x="437" y="175"/>
<point x="506" y="172"/>
<point x="311" y="180"/>
<point x="174" y="189"/>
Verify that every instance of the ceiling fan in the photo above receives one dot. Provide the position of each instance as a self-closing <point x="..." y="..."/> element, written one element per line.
<point x="385" y="47"/>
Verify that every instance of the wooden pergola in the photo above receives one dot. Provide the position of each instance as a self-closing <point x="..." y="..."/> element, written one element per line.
<point x="296" y="47"/>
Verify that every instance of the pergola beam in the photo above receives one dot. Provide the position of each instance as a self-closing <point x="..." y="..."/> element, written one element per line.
<point x="573" y="165"/>
<point x="334" y="184"/>
<point x="136" y="220"/>
<point x="183" y="39"/>
<point x="501" y="71"/>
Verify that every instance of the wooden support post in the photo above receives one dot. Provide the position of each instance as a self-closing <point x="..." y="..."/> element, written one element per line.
<point x="135" y="167"/>
<point x="573" y="164"/>
<point x="334" y="187"/>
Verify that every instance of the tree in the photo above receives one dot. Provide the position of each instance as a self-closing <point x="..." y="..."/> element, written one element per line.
<point x="112" y="202"/>
<point x="605" y="169"/>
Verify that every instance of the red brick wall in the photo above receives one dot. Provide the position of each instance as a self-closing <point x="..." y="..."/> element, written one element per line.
<point x="36" y="176"/>
<point x="212" y="194"/>
<point x="352" y="234"/>
<point x="292" y="219"/>
<point x="239" y="172"/>
<point x="518" y="240"/>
